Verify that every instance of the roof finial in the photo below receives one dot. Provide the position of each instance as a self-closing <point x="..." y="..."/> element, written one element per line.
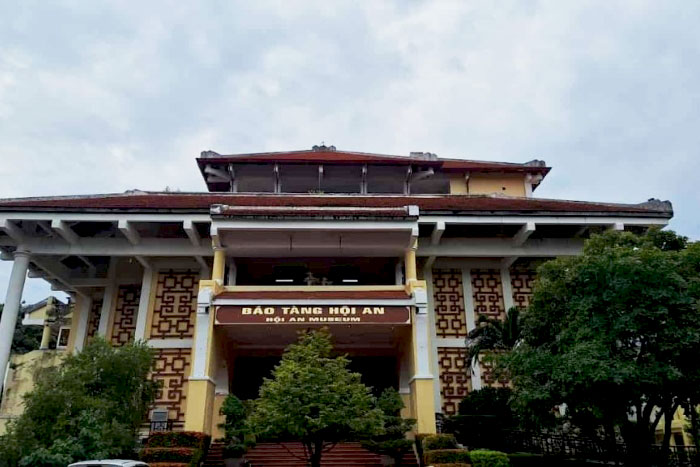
<point x="322" y="147"/>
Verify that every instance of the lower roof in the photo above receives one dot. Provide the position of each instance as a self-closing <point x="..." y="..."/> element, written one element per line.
<point x="141" y="201"/>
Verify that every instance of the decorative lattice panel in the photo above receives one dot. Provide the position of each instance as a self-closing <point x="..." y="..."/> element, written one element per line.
<point x="125" y="313"/>
<point x="522" y="281"/>
<point x="172" y="368"/>
<point x="93" y="319"/>
<point x="488" y="377"/>
<point x="488" y="293"/>
<point x="454" y="381"/>
<point x="448" y="303"/>
<point x="175" y="305"/>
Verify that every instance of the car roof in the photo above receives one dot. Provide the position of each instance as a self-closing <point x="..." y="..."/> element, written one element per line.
<point x="109" y="462"/>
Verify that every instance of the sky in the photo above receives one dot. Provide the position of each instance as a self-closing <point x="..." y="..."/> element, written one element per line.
<point x="106" y="96"/>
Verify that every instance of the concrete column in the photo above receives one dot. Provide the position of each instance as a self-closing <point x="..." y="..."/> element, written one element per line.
<point x="219" y="267"/>
<point x="410" y="262"/>
<point x="109" y="297"/>
<point x="144" y="303"/>
<point x="82" y="307"/>
<point x="45" y="336"/>
<point x="13" y="299"/>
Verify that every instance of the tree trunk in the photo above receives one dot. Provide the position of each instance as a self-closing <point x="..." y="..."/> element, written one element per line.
<point x="316" y="453"/>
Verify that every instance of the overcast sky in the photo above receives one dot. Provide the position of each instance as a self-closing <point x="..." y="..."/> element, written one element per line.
<point x="102" y="96"/>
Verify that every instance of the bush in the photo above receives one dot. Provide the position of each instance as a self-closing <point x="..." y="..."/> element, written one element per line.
<point x="169" y="454"/>
<point x="447" y="456"/>
<point x="484" y="458"/>
<point x="526" y="459"/>
<point x="439" y="441"/>
<point x="459" y="464"/>
<point x="189" y="447"/>
<point x="179" y="439"/>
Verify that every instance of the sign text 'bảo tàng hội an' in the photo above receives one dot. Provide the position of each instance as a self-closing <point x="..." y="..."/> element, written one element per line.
<point x="319" y="314"/>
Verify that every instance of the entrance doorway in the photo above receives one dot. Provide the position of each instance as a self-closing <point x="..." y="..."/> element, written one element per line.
<point x="378" y="372"/>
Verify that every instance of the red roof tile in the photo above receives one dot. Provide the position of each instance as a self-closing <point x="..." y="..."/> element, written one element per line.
<point x="201" y="202"/>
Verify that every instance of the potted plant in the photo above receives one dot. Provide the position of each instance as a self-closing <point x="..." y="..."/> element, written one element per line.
<point x="236" y="434"/>
<point x="392" y="444"/>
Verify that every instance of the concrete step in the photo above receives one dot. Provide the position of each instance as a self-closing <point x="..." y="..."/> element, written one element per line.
<point x="289" y="454"/>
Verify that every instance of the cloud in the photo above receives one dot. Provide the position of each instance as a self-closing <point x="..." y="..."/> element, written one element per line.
<point x="108" y="96"/>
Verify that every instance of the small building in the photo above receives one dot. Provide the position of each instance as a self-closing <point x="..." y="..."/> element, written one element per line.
<point x="19" y="373"/>
<point x="397" y="255"/>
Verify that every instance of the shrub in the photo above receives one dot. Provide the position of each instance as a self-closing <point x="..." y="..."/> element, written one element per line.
<point x="484" y="458"/>
<point x="458" y="464"/>
<point x="393" y="441"/>
<point x="167" y="454"/>
<point x="180" y="439"/>
<point x="439" y="441"/>
<point x="447" y="456"/>
<point x="189" y="447"/>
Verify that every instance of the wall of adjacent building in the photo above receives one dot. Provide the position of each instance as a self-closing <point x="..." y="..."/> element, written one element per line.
<point x="20" y="380"/>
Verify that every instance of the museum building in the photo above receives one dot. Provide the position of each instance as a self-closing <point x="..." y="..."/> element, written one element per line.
<point x="398" y="256"/>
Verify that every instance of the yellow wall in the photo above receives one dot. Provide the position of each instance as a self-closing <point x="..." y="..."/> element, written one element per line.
<point x="458" y="184"/>
<point x="20" y="380"/>
<point x="479" y="184"/>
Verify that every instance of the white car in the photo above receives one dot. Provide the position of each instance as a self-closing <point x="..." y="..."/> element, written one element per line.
<point x="109" y="463"/>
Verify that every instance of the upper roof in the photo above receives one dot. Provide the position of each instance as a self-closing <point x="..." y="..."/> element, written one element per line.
<point x="330" y="155"/>
<point x="141" y="201"/>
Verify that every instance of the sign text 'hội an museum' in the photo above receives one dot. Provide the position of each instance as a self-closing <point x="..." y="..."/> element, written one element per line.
<point x="321" y="314"/>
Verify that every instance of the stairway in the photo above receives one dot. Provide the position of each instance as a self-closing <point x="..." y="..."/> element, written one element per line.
<point x="279" y="455"/>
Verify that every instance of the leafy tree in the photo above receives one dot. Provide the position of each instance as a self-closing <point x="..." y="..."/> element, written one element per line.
<point x="392" y="442"/>
<point x="493" y="334"/>
<point x="614" y="334"/>
<point x="313" y="397"/>
<point x="89" y="407"/>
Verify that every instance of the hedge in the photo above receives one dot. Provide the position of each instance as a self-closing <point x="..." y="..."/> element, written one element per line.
<point x="439" y="441"/>
<point x="447" y="456"/>
<point x="452" y="465"/>
<point x="178" y="439"/>
<point x="484" y="458"/>
<point x="168" y="454"/>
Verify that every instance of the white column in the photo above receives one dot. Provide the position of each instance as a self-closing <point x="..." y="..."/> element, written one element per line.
<point x="471" y="319"/>
<point x="434" y="359"/>
<point x="83" y="319"/>
<point x="507" y="288"/>
<point x="110" y="292"/>
<point x="144" y="302"/>
<point x="10" y="312"/>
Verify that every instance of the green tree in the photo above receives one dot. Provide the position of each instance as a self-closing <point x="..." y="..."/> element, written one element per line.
<point x="493" y="334"/>
<point x="614" y="334"/>
<point x="91" y="406"/>
<point x="314" y="398"/>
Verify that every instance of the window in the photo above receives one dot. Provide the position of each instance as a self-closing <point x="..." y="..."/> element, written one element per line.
<point x="386" y="179"/>
<point x="254" y="178"/>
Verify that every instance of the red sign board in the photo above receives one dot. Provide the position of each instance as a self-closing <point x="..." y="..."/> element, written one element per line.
<point x="318" y="314"/>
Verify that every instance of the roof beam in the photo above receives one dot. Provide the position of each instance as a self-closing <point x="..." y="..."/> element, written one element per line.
<point x="12" y="231"/>
<point x="438" y="230"/>
<point x="508" y="261"/>
<point x="192" y="232"/>
<point x="129" y="231"/>
<point x="64" y="230"/>
<point x="145" y="262"/>
<point x="523" y="234"/>
<point x="500" y="247"/>
<point x="542" y="220"/>
<point x="116" y="247"/>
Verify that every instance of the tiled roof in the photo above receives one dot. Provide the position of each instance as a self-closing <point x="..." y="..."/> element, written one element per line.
<point x="324" y="211"/>
<point x="330" y="294"/>
<point x="200" y="202"/>
<point x="350" y="157"/>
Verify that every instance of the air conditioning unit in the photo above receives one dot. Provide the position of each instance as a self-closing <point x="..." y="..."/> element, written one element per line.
<point x="159" y="415"/>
